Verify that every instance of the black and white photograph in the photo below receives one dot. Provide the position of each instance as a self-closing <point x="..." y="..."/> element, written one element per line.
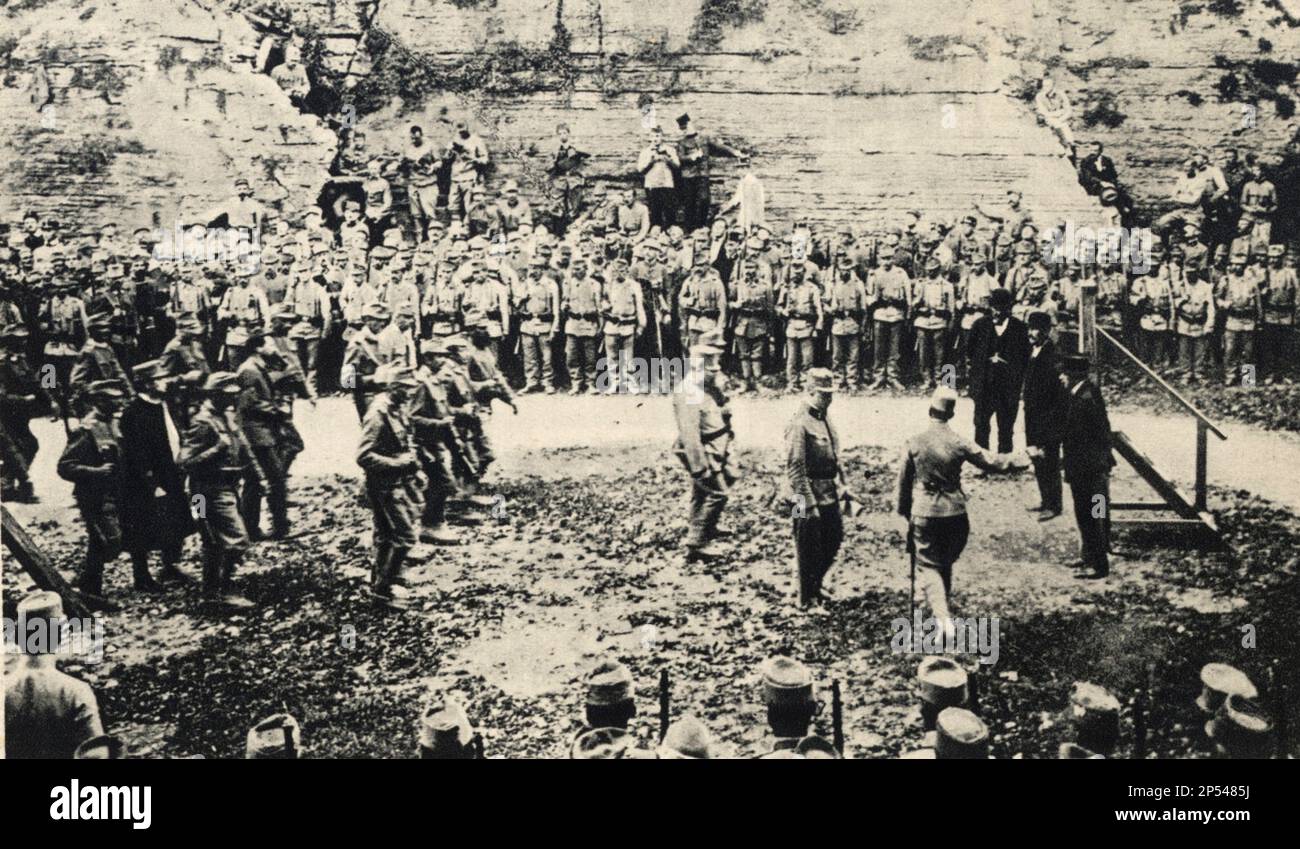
<point x="701" y="379"/>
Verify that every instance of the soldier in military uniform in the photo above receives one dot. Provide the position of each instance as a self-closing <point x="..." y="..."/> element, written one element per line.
<point x="186" y="366"/>
<point x="432" y="421"/>
<point x="362" y="358"/>
<point x="800" y="304"/>
<point x="973" y="289"/>
<point x="624" y="314"/>
<point x="539" y="312"/>
<point x="244" y="308"/>
<point x="387" y="456"/>
<point x="1083" y="430"/>
<point x="846" y="301"/>
<point x="92" y="462"/>
<point x="702" y="300"/>
<point x="815" y="479"/>
<point x="752" y="304"/>
<point x="580" y="302"/>
<point x="889" y="292"/>
<point x="1238" y="295"/>
<point x="930" y="497"/>
<point x="935" y="300"/>
<point x="96" y="361"/>
<point x="703" y="444"/>
<point x="262" y="418"/>
<point x="63" y="323"/>
<point x="21" y="399"/>
<point x="1196" y="315"/>
<point x="1277" y="344"/>
<point x="1152" y="297"/>
<point x="216" y="457"/>
<point x="309" y="304"/>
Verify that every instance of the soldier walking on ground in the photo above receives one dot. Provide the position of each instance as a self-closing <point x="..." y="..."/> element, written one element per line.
<point x="703" y="444"/>
<point x="931" y="498"/>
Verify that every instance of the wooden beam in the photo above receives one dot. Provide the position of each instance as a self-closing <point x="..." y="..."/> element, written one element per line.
<point x="36" y="564"/>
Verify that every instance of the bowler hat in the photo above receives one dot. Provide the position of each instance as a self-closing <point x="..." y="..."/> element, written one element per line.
<point x="1241" y="729"/>
<point x="1074" y="363"/>
<point x="1039" y="320"/>
<point x="1000" y="297"/>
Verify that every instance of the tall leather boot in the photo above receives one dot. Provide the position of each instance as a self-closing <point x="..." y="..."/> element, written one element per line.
<point x="229" y="596"/>
<point x="144" y="582"/>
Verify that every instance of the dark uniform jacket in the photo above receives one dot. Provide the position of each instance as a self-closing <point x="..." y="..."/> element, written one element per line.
<point x="147" y="466"/>
<point x="932" y="462"/>
<point x="213" y="452"/>
<point x="1042" y="394"/>
<point x="98" y="361"/>
<point x="1012" y="347"/>
<point x="259" y="405"/>
<point x="386" y="452"/>
<point x="703" y="428"/>
<point x="812" y="458"/>
<point x="1083" y="429"/>
<point x="91" y="460"/>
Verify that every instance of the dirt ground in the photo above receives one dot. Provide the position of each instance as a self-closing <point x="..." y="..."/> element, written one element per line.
<point x="584" y="562"/>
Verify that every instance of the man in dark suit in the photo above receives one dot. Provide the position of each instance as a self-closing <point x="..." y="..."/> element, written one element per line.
<point x="1097" y="169"/>
<point x="1084" y="433"/>
<point x="1042" y="395"/>
<point x="999" y="351"/>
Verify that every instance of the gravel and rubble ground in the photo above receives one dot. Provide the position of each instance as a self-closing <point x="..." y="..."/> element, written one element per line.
<point x="585" y="562"/>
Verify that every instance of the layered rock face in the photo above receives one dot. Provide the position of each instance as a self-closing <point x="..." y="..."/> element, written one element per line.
<point x="854" y="111"/>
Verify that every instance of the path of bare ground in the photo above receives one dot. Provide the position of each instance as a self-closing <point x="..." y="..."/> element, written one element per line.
<point x="586" y="562"/>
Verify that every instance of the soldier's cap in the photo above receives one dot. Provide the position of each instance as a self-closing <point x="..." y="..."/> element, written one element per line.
<point x="444" y="726"/>
<point x="1276" y="250"/>
<point x="933" y="263"/>
<point x="941" y="682"/>
<point x="538" y="260"/>
<point x="1024" y="247"/>
<point x="39" y="605"/>
<point x="943" y="403"/>
<point x="687" y="739"/>
<point x="601" y="744"/>
<point x="609" y="683"/>
<point x="818" y="748"/>
<point x="821" y="380"/>
<point x="382" y="252"/>
<point x="709" y="343"/>
<point x="1218" y="681"/>
<point x="1074" y="363"/>
<point x="104" y="747"/>
<point x="1237" y="259"/>
<point x="275" y="738"/>
<point x="107" y="388"/>
<point x="114" y="271"/>
<point x="1094" y="713"/>
<point x="376" y="311"/>
<point x="1241" y="728"/>
<point x="960" y="735"/>
<point x="478" y="243"/>
<point x="786" y="682"/>
<point x="510" y="186"/>
<point x="221" y="383"/>
<point x="842" y="260"/>
<point x="436" y="345"/>
<point x="1039" y="320"/>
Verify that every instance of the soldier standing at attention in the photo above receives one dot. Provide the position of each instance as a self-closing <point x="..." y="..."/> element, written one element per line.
<point x="92" y="462"/>
<point x="753" y="303"/>
<point x="801" y="306"/>
<point x="215" y="456"/>
<point x="702" y="300"/>
<point x="387" y="455"/>
<point x="539" y="312"/>
<point x="930" y="497"/>
<point x="1195" y="309"/>
<point x="889" y="292"/>
<point x="623" y="309"/>
<point x="262" y="417"/>
<point x="1239" y="296"/>
<point x="814" y="477"/>
<point x="847" y="303"/>
<point x="1083" y="430"/>
<point x="703" y="443"/>
<point x="580" y="300"/>
<point x="933" y="308"/>
<point x="1279" y="294"/>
